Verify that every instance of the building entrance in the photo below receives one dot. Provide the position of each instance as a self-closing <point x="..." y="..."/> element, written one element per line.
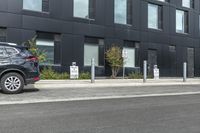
<point x="152" y="60"/>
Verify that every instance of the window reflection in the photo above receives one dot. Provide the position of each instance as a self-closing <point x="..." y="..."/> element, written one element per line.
<point x="81" y="8"/>
<point x="180" y="21"/>
<point x="152" y="16"/>
<point x="121" y="11"/>
<point x="34" y="5"/>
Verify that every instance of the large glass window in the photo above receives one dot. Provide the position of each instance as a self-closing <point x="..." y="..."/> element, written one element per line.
<point x="130" y="60"/>
<point x="50" y="44"/>
<point x="94" y="48"/>
<point x="84" y="8"/>
<point x="154" y="16"/>
<point x="123" y="11"/>
<point x="91" y="51"/>
<point x="187" y="3"/>
<point x="81" y="8"/>
<point x="181" y="21"/>
<point x="46" y="46"/>
<point x="34" y="5"/>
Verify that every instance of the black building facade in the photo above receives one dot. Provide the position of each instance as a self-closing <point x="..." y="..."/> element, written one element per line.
<point x="73" y="38"/>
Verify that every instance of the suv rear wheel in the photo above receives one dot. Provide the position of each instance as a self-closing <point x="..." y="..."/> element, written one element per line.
<point x="12" y="83"/>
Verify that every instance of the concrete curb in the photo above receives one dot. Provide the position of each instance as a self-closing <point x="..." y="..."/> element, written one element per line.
<point x="94" y="98"/>
<point x="112" y="83"/>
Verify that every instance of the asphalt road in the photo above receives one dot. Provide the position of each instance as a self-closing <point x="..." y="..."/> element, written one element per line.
<point x="169" y="114"/>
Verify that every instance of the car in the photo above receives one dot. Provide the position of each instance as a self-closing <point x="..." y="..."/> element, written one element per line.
<point x="18" y="67"/>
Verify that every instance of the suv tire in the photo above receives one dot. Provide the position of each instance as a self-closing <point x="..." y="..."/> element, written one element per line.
<point x="12" y="83"/>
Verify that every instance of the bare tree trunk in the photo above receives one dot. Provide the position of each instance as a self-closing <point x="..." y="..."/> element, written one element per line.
<point x="114" y="72"/>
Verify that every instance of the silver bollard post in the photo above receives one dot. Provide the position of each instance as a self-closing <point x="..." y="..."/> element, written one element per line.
<point x="145" y="71"/>
<point x="92" y="70"/>
<point x="123" y="70"/>
<point x="184" y="72"/>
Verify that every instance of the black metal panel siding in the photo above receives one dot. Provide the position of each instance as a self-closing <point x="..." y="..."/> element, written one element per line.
<point x="45" y="5"/>
<point x="58" y="18"/>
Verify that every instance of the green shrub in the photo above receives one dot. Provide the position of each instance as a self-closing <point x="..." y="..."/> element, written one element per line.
<point x="84" y="75"/>
<point x="49" y="73"/>
<point x="40" y="54"/>
<point x="150" y="76"/>
<point x="115" y="60"/>
<point x="135" y="75"/>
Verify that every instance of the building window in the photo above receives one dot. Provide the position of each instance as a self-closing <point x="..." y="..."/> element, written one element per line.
<point x="123" y="11"/>
<point x="154" y="16"/>
<point x="50" y="44"/>
<point x="181" y="21"/>
<point x="2" y="34"/>
<point x="130" y="60"/>
<point x="188" y="3"/>
<point x="94" y="48"/>
<point x="84" y="8"/>
<point x="46" y="46"/>
<point x="172" y="48"/>
<point x="36" y="5"/>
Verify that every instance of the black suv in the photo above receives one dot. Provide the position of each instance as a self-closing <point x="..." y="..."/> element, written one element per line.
<point x="18" y="67"/>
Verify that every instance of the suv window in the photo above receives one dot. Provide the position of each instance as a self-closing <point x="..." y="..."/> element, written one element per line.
<point x="2" y="52"/>
<point x="11" y="51"/>
<point x="25" y="53"/>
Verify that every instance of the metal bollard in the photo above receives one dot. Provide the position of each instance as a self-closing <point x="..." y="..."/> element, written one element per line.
<point x="123" y="70"/>
<point x="184" y="72"/>
<point x="92" y="70"/>
<point x="145" y="71"/>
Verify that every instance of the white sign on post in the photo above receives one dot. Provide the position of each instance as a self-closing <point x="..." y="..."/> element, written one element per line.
<point x="156" y="72"/>
<point x="74" y="72"/>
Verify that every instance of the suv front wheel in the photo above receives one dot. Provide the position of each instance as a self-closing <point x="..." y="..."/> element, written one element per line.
<point x="12" y="83"/>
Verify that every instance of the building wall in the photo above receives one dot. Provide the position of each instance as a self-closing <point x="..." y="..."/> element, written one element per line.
<point x="22" y="25"/>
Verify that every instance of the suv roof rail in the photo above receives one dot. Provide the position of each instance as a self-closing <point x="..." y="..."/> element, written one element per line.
<point x="14" y="44"/>
<point x="8" y="43"/>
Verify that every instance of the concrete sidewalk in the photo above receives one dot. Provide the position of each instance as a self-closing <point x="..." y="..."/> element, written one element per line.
<point x="38" y="95"/>
<point x="114" y="83"/>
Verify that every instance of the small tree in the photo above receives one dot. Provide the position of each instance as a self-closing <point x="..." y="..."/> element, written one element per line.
<point x="115" y="60"/>
<point x="31" y="44"/>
